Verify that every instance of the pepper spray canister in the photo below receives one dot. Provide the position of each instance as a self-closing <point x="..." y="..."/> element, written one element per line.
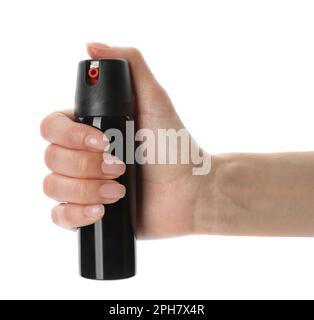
<point x="105" y="100"/>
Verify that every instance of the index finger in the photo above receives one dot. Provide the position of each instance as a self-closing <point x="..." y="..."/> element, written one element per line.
<point x="59" y="128"/>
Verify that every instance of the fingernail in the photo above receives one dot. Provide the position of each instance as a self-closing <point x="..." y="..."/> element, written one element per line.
<point x="112" y="190"/>
<point x="94" y="212"/>
<point x="105" y="139"/>
<point x="110" y="159"/>
<point x="96" y="142"/>
<point x="113" y="168"/>
<point x="97" y="45"/>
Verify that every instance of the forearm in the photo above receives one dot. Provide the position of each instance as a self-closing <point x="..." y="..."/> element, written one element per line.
<point x="258" y="194"/>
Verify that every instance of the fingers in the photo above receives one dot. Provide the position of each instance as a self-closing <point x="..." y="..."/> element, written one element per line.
<point x="82" y="191"/>
<point x="149" y="92"/>
<point x="82" y="164"/>
<point x="58" y="128"/>
<point x="72" y="216"/>
<point x="82" y="176"/>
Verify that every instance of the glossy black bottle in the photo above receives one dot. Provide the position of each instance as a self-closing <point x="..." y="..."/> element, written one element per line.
<point x="104" y="99"/>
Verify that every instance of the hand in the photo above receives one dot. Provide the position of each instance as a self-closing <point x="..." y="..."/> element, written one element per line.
<point x="82" y="182"/>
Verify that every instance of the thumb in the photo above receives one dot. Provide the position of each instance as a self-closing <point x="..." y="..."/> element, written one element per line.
<point x="151" y="97"/>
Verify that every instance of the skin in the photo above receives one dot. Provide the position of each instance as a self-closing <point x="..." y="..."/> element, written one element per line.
<point x="244" y="194"/>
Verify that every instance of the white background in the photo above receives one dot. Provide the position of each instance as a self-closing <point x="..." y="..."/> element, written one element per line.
<point x="241" y="75"/>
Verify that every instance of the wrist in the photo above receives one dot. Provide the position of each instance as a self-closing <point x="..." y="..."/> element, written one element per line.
<point x="212" y="207"/>
<point x="205" y="213"/>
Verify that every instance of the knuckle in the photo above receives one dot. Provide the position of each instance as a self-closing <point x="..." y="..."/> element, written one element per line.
<point x="67" y="216"/>
<point x="135" y="53"/>
<point x="50" y="156"/>
<point x="54" y="217"/>
<point x="48" y="185"/>
<point x="45" y="127"/>
<point x="80" y="190"/>
<point x="83" y="165"/>
<point x="77" y="135"/>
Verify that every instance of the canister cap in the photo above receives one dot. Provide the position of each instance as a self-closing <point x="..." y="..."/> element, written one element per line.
<point x="108" y="94"/>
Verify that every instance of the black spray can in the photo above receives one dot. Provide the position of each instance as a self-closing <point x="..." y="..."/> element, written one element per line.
<point x="104" y="99"/>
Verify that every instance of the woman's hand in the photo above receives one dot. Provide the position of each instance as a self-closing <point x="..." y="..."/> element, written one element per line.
<point x="169" y="194"/>
<point x="244" y="194"/>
